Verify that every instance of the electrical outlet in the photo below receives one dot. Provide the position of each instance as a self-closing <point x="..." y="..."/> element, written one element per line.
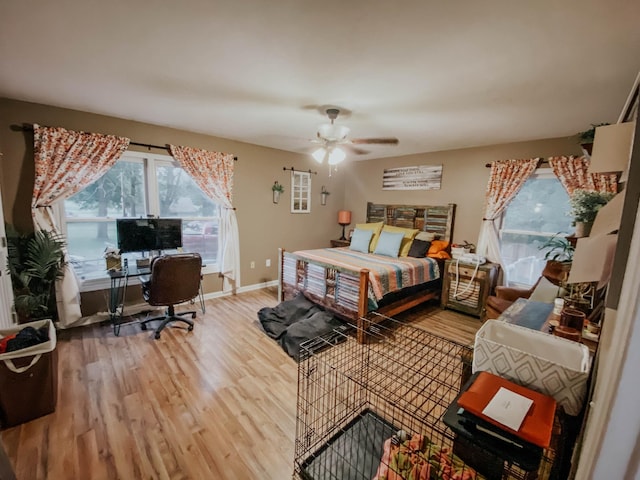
<point x="268" y="262"/>
<point x="253" y="265"/>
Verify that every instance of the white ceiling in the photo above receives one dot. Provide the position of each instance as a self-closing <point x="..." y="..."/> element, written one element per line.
<point x="435" y="74"/>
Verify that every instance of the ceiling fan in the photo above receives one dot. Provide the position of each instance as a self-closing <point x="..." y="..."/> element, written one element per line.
<point x="332" y="137"/>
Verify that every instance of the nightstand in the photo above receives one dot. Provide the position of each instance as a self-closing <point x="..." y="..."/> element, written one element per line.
<point x="340" y="243"/>
<point x="473" y="286"/>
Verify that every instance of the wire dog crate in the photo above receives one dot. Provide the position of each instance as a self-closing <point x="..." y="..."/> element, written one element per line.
<point x="356" y="400"/>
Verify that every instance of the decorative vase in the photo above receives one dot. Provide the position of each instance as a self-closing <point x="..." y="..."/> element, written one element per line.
<point x="583" y="229"/>
<point x="276" y="196"/>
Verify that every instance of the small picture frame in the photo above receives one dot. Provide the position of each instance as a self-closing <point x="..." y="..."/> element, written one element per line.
<point x="350" y="233"/>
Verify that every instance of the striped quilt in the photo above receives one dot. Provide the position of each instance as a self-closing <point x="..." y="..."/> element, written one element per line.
<point x="386" y="274"/>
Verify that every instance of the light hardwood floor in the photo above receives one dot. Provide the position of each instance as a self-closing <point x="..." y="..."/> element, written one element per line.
<point x="215" y="403"/>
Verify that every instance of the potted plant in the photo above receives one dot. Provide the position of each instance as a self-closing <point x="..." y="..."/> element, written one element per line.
<point x="584" y="208"/>
<point x="586" y="137"/>
<point x="323" y="195"/>
<point x="558" y="249"/>
<point x="559" y="255"/>
<point x="35" y="262"/>
<point x="276" y="189"/>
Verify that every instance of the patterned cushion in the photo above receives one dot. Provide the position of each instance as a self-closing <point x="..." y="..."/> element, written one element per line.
<point x="419" y="459"/>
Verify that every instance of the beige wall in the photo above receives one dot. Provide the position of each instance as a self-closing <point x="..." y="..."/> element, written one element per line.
<point x="464" y="180"/>
<point x="263" y="226"/>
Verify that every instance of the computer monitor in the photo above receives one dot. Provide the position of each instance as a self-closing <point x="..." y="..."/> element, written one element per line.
<point x="146" y="234"/>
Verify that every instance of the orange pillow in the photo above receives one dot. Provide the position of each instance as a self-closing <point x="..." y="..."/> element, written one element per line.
<point x="438" y="246"/>
<point x="441" y="254"/>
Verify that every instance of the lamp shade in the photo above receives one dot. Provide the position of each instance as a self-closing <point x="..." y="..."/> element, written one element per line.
<point x="344" y="217"/>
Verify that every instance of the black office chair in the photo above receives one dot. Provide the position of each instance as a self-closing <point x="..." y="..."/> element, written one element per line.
<point x="174" y="279"/>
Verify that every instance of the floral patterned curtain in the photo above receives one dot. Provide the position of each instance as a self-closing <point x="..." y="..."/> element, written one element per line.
<point x="573" y="173"/>
<point x="65" y="163"/>
<point x="505" y="180"/>
<point x="213" y="173"/>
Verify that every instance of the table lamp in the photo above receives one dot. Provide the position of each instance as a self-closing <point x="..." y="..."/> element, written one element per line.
<point x="344" y="219"/>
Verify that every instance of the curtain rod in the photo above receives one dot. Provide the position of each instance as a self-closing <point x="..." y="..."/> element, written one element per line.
<point x="27" y="127"/>
<point x="303" y="171"/>
<point x="541" y="161"/>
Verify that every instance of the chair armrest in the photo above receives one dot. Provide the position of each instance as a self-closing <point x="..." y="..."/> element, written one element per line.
<point x="511" y="293"/>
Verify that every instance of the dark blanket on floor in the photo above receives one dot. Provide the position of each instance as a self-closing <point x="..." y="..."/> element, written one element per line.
<point x="296" y="321"/>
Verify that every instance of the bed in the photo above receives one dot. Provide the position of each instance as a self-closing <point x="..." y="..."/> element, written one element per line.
<point x="352" y="284"/>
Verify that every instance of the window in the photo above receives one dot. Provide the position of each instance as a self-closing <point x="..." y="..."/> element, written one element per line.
<point x="137" y="186"/>
<point x="300" y="192"/>
<point x="539" y="211"/>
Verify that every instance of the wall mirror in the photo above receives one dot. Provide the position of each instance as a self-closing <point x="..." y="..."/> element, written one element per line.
<point x="300" y="192"/>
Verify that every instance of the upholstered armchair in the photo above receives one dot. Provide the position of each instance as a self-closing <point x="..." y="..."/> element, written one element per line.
<point x="553" y="275"/>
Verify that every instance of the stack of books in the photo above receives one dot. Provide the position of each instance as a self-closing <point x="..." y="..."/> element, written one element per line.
<point x="503" y="417"/>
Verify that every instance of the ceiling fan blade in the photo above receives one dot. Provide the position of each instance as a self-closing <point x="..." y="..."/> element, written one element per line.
<point x="355" y="150"/>
<point x="382" y="140"/>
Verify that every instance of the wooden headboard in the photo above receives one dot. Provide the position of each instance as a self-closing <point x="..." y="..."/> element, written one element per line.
<point x="437" y="219"/>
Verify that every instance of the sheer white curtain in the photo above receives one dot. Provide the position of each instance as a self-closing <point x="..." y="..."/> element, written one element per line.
<point x="505" y="180"/>
<point x="213" y="173"/>
<point x="65" y="163"/>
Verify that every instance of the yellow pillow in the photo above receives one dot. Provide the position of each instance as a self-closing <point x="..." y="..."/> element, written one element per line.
<point x="376" y="228"/>
<point x="409" y="235"/>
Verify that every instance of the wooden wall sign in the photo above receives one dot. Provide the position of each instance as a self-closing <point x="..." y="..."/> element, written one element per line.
<point x="422" y="177"/>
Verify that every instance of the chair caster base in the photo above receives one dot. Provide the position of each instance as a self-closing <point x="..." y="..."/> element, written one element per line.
<point x="143" y="326"/>
<point x="156" y="335"/>
<point x="190" y="328"/>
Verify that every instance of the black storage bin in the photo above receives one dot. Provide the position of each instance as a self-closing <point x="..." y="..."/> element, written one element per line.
<point x="28" y="379"/>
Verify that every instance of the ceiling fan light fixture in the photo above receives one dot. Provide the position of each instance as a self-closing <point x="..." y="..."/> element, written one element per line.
<point x="333" y="133"/>
<point x="319" y="154"/>
<point x="336" y="156"/>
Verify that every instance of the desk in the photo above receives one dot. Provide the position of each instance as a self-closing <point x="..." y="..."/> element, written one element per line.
<point x="118" y="290"/>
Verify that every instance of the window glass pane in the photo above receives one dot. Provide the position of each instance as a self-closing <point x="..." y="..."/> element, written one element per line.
<point x="123" y="192"/>
<point x="87" y="242"/>
<point x="118" y="193"/>
<point x="201" y="236"/>
<point x="542" y="205"/>
<point x="539" y="211"/>
<point x="179" y="196"/>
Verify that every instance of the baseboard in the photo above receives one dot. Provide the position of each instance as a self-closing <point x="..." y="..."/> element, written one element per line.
<point x="247" y="288"/>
